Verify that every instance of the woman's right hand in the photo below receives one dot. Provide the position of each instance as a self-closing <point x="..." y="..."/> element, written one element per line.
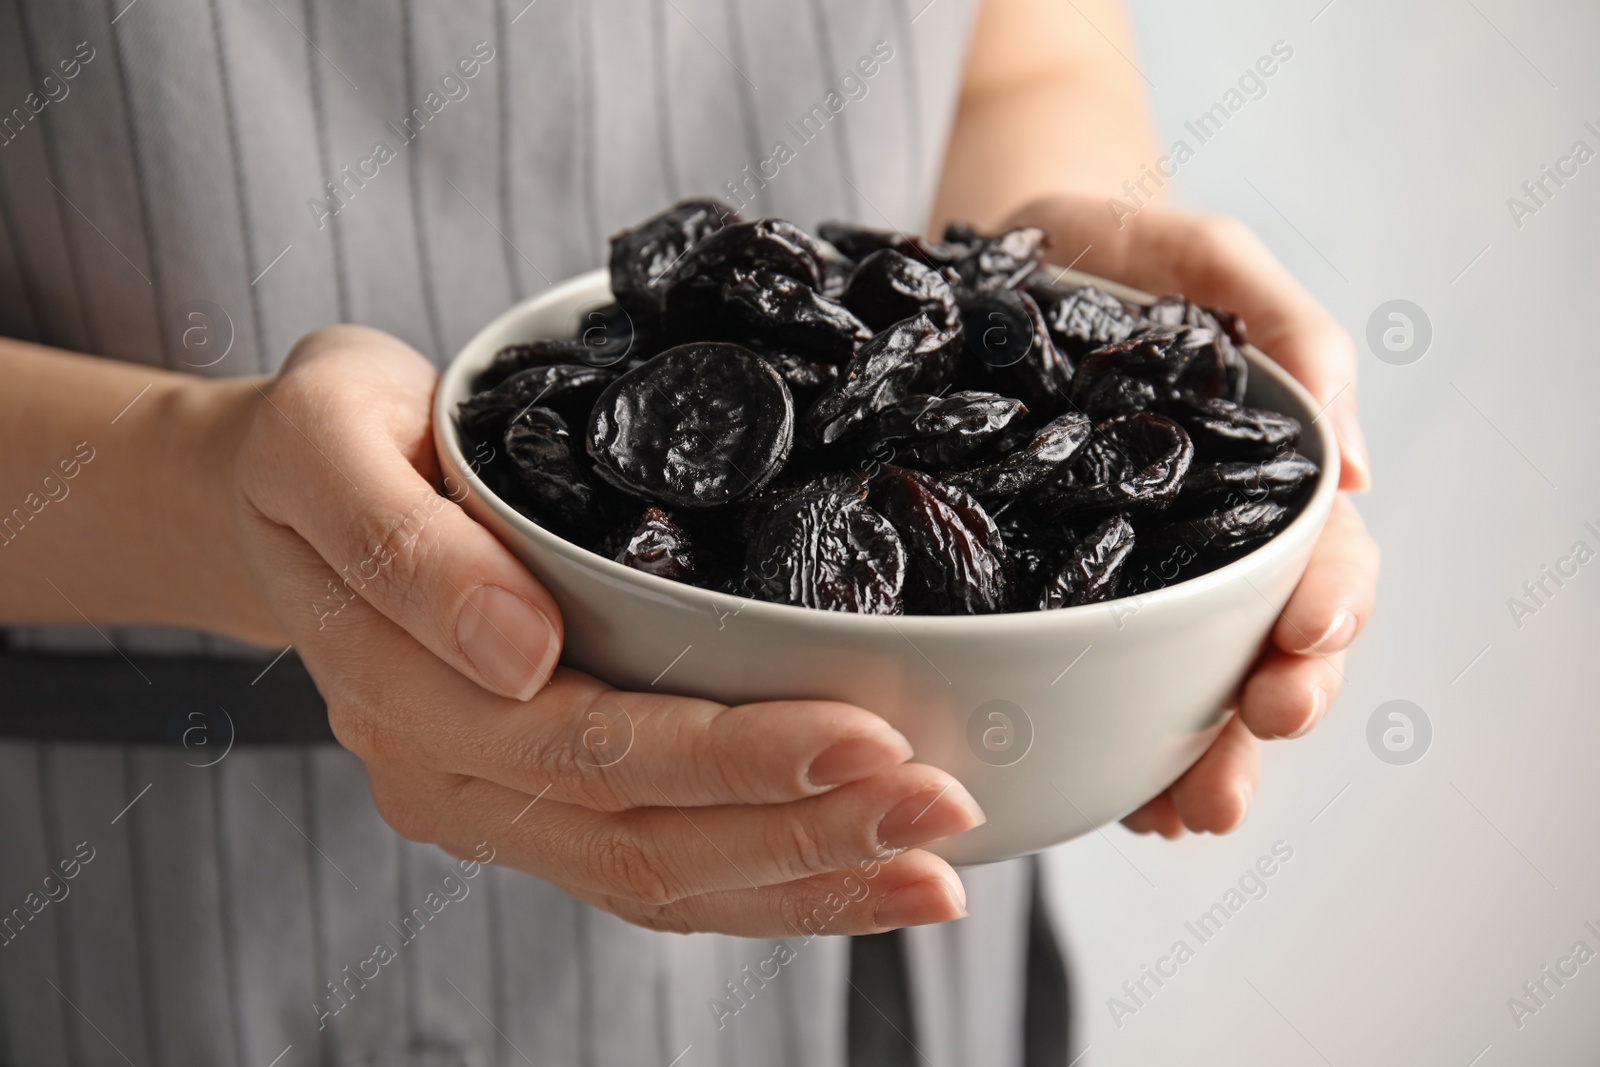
<point x="436" y="651"/>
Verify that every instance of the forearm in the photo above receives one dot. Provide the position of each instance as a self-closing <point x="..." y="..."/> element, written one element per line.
<point x="1050" y="104"/>
<point x="113" y="487"/>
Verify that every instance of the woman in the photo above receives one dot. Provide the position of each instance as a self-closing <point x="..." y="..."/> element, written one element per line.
<point x="200" y="193"/>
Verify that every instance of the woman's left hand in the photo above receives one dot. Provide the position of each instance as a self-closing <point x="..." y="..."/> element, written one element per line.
<point x="1219" y="262"/>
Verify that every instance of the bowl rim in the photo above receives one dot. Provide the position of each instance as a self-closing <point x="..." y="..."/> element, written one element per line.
<point x="1301" y="532"/>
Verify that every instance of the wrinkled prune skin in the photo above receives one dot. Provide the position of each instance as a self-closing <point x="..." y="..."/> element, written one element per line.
<point x="567" y="388"/>
<point x="933" y="431"/>
<point x="607" y="337"/>
<point x="692" y="287"/>
<point x="858" y="242"/>
<point x="806" y="380"/>
<point x="1216" y="536"/>
<point x="1007" y="336"/>
<point x="1132" y="461"/>
<point x="1210" y="486"/>
<point x="641" y="256"/>
<point x="1092" y="568"/>
<point x="1173" y="312"/>
<point x="1082" y="320"/>
<point x="1223" y="430"/>
<point x="1039" y="461"/>
<point x="912" y="356"/>
<point x="1001" y="261"/>
<point x="828" y="550"/>
<point x="547" y="482"/>
<point x="789" y="315"/>
<point x="659" y="546"/>
<point x="954" y="544"/>
<point x="1151" y="367"/>
<point x="699" y="426"/>
<point x="887" y="287"/>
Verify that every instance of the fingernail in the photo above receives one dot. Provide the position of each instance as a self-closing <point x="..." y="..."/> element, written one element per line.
<point x="510" y="642"/>
<point x="1353" y="443"/>
<point x="921" y="903"/>
<point x="859" y="757"/>
<point x="1247" y="793"/>
<point x="1319" y="705"/>
<point x="1336" y="638"/>
<point x="930" y="816"/>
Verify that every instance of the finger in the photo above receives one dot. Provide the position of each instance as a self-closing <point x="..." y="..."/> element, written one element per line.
<point x="1214" y="795"/>
<point x="1334" y="598"/>
<point x="339" y="454"/>
<point x="1288" y="695"/>
<point x="1158" y="816"/>
<point x="913" y="888"/>
<point x="664" y="854"/>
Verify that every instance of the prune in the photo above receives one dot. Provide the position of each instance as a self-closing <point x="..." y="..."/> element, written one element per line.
<point x="1007" y="335"/>
<point x="829" y="550"/>
<point x="1092" y="568"/>
<point x="1131" y="461"/>
<point x="1222" y="532"/>
<point x="641" y="256"/>
<point x="954" y="543"/>
<point x="912" y="356"/>
<point x="888" y="286"/>
<point x="1151" y="366"/>
<point x="1031" y="466"/>
<point x="858" y="243"/>
<point x="692" y="287"/>
<point x="660" y="547"/>
<point x="1172" y="312"/>
<point x="1003" y="260"/>
<point x="565" y="387"/>
<point x="933" y="431"/>
<point x="787" y="314"/>
<point x="607" y="338"/>
<point x="1225" y="430"/>
<point x="806" y="380"/>
<point x="1214" y="485"/>
<point x="548" y="482"/>
<point x="698" y="426"/>
<point x="1081" y="320"/>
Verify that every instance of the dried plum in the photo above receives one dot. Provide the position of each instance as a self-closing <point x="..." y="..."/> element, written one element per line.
<point x="698" y="426"/>
<point x="1222" y="429"/>
<point x="912" y="356"/>
<point x="1029" y="467"/>
<point x="568" y="388"/>
<point x="1007" y="335"/>
<point x="1151" y="367"/>
<point x="1221" y="533"/>
<point x="1092" y="568"/>
<point x="858" y="242"/>
<point x="935" y="431"/>
<point x="1081" y="320"/>
<point x="641" y="256"/>
<point x="888" y="286"/>
<point x="829" y="550"/>
<point x="659" y="546"/>
<point x="548" y="482"/>
<point x="692" y="287"/>
<point x="788" y="314"/>
<point x="1002" y="260"/>
<point x="1131" y="461"/>
<point x="806" y="380"/>
<point x="955" y="545"/>
<point x="1216" y="485"/>
<point x="1173" y="312"/>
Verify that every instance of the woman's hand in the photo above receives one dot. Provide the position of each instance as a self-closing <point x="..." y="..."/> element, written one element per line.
<point x="436" y="651"/>
<point x="1218" y="261"/>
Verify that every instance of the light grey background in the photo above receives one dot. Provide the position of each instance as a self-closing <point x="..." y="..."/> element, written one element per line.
<point x="1425" y="895"/>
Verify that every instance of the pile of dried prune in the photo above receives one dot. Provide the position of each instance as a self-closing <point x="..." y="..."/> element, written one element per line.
<point x="884" y="424"/>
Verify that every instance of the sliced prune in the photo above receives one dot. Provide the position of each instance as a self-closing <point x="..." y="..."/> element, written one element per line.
<point x="858" y="243"/>
<point x="1002" y="260"/>
<point x="1092" y="567"/>
<point x="1007" y="337"/>
<point x="936" y="431"/>
<point x="1082" y="320"/>
<point x="1030" y="466"/>
<point x="888" y="286"/>
<point x="912" y="356"/>
<point x="641" y="256"/>
<point x="692" y="287"/>
<point x="1218" y="485"/>
<point x="698" y="426"/>
<point x="1224" y="430"/>
<point x="1131" y="461"/>
<point x="567" y="388"/>
<point x="784" y="313"/>
<point x="547" y="480"/>
<point x="659" y="546"/>
<point x="955" y="545"/>
<point x="829" y="550"/>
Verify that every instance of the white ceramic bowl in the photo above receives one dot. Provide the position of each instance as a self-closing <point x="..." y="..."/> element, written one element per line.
<point x="1056" y="721"/>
